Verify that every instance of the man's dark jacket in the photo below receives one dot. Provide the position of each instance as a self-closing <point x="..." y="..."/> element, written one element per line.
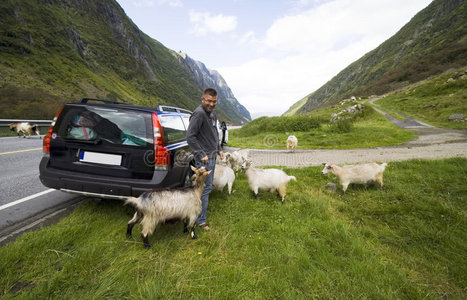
<point x="202" y="135"/>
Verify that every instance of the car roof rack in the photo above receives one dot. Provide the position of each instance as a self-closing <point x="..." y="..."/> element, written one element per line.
<point x="173" y="108"/>
<point x="85" y="100"/>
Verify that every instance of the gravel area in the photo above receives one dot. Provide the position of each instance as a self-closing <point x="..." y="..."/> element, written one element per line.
<point x="432" y="143"/>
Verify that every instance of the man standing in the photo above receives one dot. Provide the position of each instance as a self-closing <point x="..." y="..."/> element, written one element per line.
<point x="224" y="129"/>
<point x="203" y="139"/>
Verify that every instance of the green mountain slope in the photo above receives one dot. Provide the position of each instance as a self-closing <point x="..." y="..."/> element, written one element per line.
<point x="56" y="51"/>
<point x="440" y="100"/>
<point x="434" y="41"/>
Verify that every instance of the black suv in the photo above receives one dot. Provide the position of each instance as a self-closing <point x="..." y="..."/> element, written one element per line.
<point x="108" y="149"/>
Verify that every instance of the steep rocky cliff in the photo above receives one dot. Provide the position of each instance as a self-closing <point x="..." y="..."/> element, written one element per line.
<point x="206" y="77"/>
<point x="57" y="51"/>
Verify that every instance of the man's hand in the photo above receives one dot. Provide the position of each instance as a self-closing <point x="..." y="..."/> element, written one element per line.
<point x="205" y="159"/>
<point x="221" y="155"/>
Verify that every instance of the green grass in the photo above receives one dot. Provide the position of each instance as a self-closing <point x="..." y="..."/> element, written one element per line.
<point x="433" y="100"/>
<point x="371" y="130"/>
<point x="407" y="241"/>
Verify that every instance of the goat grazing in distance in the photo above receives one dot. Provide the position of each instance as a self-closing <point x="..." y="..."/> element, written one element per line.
<point x="292" y="143"/>
<point x="360" y="174"/>
<point x="154" y="207"/>
<point x="25" y="128"/>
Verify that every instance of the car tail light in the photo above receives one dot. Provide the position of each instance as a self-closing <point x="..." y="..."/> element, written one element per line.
<point x="161" y="154"/>
<point x="48" y="136"/>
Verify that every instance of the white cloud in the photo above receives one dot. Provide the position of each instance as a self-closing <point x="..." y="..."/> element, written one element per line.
<point x="338" y="22"/>
<point x="140" y="3"/>
<point x="248" y="38"/>
<point x="151" y="3"/>
<point x="302" y="52"/>
<point x="204" y="23"/>
<point x="269" y="86"/>
<point x="172" y="3"/>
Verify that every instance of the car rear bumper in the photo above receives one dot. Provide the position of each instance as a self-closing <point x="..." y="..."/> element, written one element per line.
<point x="102" y="186"/>
<point x="95" y="195"/>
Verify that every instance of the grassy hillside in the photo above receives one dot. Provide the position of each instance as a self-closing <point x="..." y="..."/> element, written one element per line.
<point x="434" y="41"/>
<point x="315" y="131"/>
<point x="60" y="51"/>
<point x="433" y="100"/>
<point x="407" y="241"/>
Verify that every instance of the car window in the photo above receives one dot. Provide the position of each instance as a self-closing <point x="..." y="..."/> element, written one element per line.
<point x="112" y="125"/>
<point x="173" y="128"/>
<point x="186" y="121"/>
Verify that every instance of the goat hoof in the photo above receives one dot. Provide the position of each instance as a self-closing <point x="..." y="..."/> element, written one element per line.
<point x="147" y="246"/>
<point x="128" y="235"/>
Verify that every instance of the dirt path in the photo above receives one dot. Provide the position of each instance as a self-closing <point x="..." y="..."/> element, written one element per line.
<point x="432" y="143"/>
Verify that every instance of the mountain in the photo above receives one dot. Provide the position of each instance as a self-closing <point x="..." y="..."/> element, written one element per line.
<point x="58" y="51"/>
<point x="434" y="41"/>
<point x="211" y="78"/>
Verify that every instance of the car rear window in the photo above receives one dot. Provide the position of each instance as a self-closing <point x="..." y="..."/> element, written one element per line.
<point x="173" y="127"/>
<point x="116" y="126"/>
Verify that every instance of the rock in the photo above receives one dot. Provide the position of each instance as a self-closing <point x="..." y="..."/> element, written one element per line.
<point x="331" y="186"/>
<point x="456" y="117"/>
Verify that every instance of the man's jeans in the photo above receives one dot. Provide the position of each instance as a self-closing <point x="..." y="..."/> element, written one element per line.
<point x="211" y="165"/>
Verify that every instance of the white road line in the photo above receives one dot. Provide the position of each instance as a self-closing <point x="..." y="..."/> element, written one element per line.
<point x="26" y="199"/>
<point x="22" y="229"/>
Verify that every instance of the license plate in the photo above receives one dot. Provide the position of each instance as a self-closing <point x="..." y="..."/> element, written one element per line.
<point x="100" y="158"/>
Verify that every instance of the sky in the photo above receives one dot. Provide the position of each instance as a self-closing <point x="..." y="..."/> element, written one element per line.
<point x="272" y="53"/>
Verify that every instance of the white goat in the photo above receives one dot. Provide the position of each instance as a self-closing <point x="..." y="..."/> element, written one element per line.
<point x="267" y="179"/>
<point x="292" y="143"/>
<point x="360" y="174"/>
<point x="237" y="158"/>
<point x="154" y="207"/>
<point x="223" y="175"/>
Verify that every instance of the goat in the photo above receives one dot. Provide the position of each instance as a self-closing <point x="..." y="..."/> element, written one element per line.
<point x="267" y="179"/>
<point x="156" y="206"/>
<point x="237" y="158"/>
<point x="223" y="175"/>
<point x="360" y="174"/>
<point x="25" y="128"/>
<point x="292" y="143"/>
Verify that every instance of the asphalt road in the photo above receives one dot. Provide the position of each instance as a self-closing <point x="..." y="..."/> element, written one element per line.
<point x="19" y="162"/>
<point x="23" y="198"/>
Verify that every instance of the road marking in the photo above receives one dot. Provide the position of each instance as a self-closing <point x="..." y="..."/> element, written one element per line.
<point x="18" y="151"/>
<point x="26" y="199"/>
<point x="22" y="229"/>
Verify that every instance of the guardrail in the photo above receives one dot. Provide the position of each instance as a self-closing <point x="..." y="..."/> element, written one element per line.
<point x="5" y="131"/>
<point x="6" y="122"/>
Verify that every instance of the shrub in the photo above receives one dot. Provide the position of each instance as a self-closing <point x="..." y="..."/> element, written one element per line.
<point x="341" y="126"/>
<point x="280" y="124"/>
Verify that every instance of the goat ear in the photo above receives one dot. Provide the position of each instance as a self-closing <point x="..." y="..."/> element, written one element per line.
<point x="193" y="168"/>
<point x="209" y="172"/>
